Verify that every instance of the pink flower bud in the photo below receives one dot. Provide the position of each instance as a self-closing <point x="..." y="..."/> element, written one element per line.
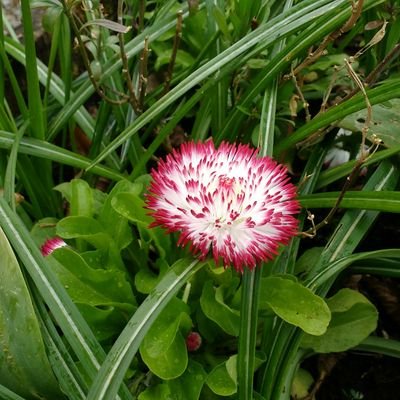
<point x="193" y="341"/>
<point x="52" y="244"/>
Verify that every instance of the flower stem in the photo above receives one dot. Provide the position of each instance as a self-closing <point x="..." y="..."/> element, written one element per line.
<point x="248" y="332"/>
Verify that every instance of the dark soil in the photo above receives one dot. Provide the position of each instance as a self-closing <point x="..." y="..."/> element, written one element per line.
<point x="363" y="376"/>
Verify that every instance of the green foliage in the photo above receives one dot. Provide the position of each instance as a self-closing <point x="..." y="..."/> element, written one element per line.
<point x="354" y="318"/>
<point x="164" y="348"/>
<point x="80" y="130"/>
<point x="24" y="366"/>
<point x="295" y="304"/>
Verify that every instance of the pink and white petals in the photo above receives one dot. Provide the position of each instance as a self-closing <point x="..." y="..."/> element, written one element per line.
<point x="52" y="244"/>
<point x="227" y="201"/>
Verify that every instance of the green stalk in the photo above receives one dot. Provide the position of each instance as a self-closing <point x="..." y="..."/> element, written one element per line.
<point x="34" y="98"/>
<point x="248" y="332"/>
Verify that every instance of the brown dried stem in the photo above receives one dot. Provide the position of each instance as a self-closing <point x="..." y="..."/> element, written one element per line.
<point x="313" y="56"/>
<point x="143" y="73"/>
<point x="86" y="62"/>
<point x="177" y="40"/>
<point x="356" y="169"/>
<point x="125" y="65"/>
<point x="301" y="96"/>
<point x="375" y="73"/>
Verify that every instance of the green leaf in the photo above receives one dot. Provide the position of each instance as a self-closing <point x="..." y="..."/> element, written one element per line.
<point x="97" y="287"/>
<point x="161" y="335"/>
<point x="301" y="384"/>
<point x="295" y="304"/>
<point x="155" y="393"/>
<point x="221" y="381"/>
<point x="104" y="297"/>
<point x="164" y="348"/>
<point x="189" y="385"/>
<point x="83" y="227"/>
<point x="81" y="202"/>
<point x="43" y="149"/>
<point x="388" y="201"/>
<point x="385" y="126"/>
<point x="353" y="319"/>
<point x="214" y="307"/>
<point x="146" y="280"/>
<point x="24" y="367"/>
<point x="386" y="91"/>
<point x="115" y="224"/>
<point x="307" y="260"/>
<point x="132" y="207"/>
<point x="171" y="363"/>
<point x="254" y="42"/>
<point x="73" y="326"/>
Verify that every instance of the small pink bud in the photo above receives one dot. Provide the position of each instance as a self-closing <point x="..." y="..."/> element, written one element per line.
<point x="193" y="341"/>
<point x="52" y="244"/>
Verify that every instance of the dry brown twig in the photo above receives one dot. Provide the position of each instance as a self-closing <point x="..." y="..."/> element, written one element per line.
<point x="364" y="154"/>
<point x="177" y="41"/>
<point x="356" y="8"/>
<point x="125" y="66"/>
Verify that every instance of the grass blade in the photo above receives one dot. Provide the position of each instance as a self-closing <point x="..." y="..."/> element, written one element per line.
<point x="386" y="201"/>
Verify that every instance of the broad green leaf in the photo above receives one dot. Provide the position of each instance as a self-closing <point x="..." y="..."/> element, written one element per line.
<point x="189" y="385"/>
<point x="353" y="319"/>
<point x="110" y="285"/>
<point x="214" y="307"/>
<point x="78" y="226"/>
<point x="161" y="335"/>
<point x="90" y="229"/>
<point x="301" y="384"/>
<point x="385" y="125"/>
<point x="295" y="304"/>
<point x="164" y="348"/>
<point x="104" y="297"/>
<point x="220" y="381"/>
<point x="79" y="187"/>
<point x="156" y="392"/>
<point x="24" y="367"/>
<point x="308" y="259"/>
<point x="171" y="363"/>
<point x="183" y="59"/>
<point x="146" y="280"/>
<point x="81" y="202"/>
<point x="75" y="330"/>
<point x="106" y="322"/>
<point x="114" y="223"/>
<point x="132" y="207"/>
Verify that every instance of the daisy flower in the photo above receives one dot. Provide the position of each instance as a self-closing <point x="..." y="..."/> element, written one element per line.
<point x="227" y="202"/>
